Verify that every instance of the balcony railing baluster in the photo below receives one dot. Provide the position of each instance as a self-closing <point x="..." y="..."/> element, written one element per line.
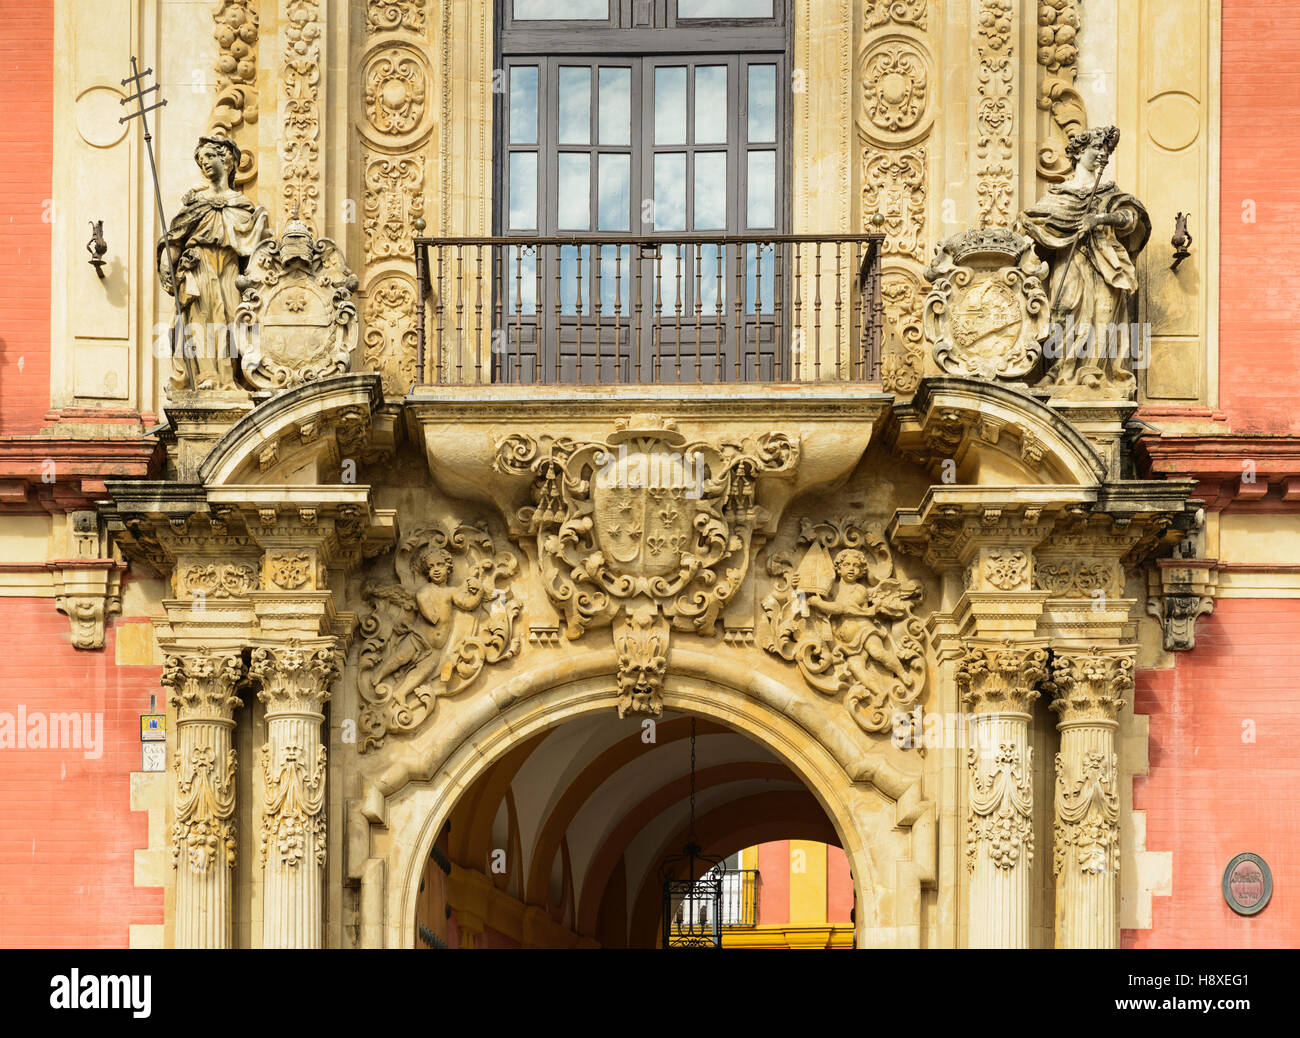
<point x="774" y="311"/>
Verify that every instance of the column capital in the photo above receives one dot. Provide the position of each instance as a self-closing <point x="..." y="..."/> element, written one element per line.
<point x="1001" y="677"/>
<point x="203" y="683"/>
<point x="296" y="677"/>
<point x="1089" y="686"/>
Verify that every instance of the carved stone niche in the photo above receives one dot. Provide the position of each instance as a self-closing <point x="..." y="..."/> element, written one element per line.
<point x="297" y="321"/>
<point x="986" y="314"/>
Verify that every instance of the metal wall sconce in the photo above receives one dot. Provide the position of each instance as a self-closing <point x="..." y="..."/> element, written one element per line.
<point x="97" y="247"/>
<point x="1181" y="241"/>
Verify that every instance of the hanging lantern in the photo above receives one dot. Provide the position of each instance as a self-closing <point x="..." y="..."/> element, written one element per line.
<point x="692" y="908"/>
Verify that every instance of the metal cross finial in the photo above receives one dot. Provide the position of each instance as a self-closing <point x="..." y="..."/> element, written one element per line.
<point x="136" y="80"/>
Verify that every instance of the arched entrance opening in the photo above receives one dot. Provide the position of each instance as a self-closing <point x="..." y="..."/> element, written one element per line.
<point x="559" y="842"/>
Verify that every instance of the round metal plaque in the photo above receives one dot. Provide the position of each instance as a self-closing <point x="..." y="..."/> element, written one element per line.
<point x="1247" y="884"/>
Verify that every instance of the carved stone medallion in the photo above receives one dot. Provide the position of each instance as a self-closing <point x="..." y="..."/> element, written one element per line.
<point x="986" y="313"/>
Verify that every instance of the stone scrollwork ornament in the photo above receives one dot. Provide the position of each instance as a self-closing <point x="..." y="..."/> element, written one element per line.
<point x="986" y="313"/>
<point x="646" y="527"/>
<point x="431" y="634"/>
<point x="847" y="622"/>
<point x="297" y="321"/>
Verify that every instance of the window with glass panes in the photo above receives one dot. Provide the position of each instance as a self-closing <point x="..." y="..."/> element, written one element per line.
<point x="626" y="119"/>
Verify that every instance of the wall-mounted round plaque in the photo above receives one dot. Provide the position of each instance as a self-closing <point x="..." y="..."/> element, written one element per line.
<point x="1247" y="884"/>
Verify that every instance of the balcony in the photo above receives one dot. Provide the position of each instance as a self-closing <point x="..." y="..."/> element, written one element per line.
<point x="661" y="309"/>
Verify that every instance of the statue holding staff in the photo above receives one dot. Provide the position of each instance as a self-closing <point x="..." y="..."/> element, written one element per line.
<point x="1090" y="233"/>
<point x="211" y="237"/>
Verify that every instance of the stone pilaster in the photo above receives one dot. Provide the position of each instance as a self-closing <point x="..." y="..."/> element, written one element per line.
<point x="202" y="685"/>
<point x="998" y="685"/>
<point x="1088" y="690"/>
<point x="295" y="683"/>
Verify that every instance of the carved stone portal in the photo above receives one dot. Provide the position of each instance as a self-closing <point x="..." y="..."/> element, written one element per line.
<point x="432" y="633"/>
<point x="297" y="321"/>
<point x="644" y="527"/>
<point x="986" y="313"/>
<point x="846" y="621"/>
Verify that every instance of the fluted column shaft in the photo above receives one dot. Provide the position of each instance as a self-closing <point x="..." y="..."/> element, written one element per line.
<point x="1088" y="690"/>
<point x="998" y="687"/>
<point x="294" y="689"/>
<point x="204" y="843"/>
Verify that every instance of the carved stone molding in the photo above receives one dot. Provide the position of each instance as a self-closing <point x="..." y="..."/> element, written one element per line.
<point x="1001" y="678"/>
<point x="295" y="678"/>
<point x="452" y="613"/>
<point x="389" y="339"/>
<point x="1086" y="830"/>
<point x="204" y="829"/>
<point x="235" y="26"/>
<point x="995" y="112"/>
<point x="1001" y="802"/>
<point x="394" y="198"/>
<point x="847" y="622"/>
<point x="87" y="591"/>
<point x="903" y="355"/>
<point x="203" y="683"/>
<point x="1058" y="69"/>
<point x="900" y="12"/>
<point x="384" y="15"/>
<point x="1180" y="592"/>
<point x="986" y="313"/>
<point x="1089" y="686"/>
<point x="894" y="185"/>
<point x="297" y="320"/>
<point x="300" y="121"/>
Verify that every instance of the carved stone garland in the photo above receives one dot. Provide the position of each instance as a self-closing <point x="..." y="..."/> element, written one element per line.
<point x="451" y="614"/>
<point x="847" y="622"/>
<point x="1058" y="63"/>
<point x="643" y="532"/>
<point x="235" y="27"/>
<point x="203" y="685"/>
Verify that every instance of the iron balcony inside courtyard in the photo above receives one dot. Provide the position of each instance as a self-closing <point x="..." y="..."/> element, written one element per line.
<point x="642" y="310"/>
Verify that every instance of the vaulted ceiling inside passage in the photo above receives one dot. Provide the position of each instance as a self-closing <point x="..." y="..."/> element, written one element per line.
<point x="600" y="801"/>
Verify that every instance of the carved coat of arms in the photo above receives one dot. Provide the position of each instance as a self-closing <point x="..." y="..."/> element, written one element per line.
<point x="986" y="313"/>
<point x="645" y="532"/>
<point x="297" y="321"/>
<point x="841" y="615"/>
<point x="431" y="634"/>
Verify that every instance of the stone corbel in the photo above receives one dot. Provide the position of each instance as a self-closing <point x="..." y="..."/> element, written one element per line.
<point x="87" y="591"/>
<point x="1181" y="591"/>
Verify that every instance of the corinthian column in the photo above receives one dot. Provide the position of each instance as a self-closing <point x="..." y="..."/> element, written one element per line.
<point x="295" y="682"/>
<point x="203" y="832"/>
<point x="997" y="683"/>
<point x="1088" y="688"/>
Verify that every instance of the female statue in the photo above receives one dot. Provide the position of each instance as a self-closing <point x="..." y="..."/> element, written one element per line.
<point x="1089" y="232"/>
<point x="210" y="240"/>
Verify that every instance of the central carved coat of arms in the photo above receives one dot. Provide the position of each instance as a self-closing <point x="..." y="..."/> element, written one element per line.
<point x="644" y="532"/>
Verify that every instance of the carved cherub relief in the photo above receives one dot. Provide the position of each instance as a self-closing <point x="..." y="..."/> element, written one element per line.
<point x="846" y="621"/>
<point x="432" y="633"/>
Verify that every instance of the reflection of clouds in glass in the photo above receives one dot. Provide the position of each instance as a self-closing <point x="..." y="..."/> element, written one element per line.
<point x="615" y="106"/>
<point x="615" y="271"/>
<point x="523" y="190"/>
<point x="670" y="106"/>
<point x="762" y="102"/>
<point x="614" y="185"/>
<point x="724" y="8"/>
<point x="553" y="9"/>
<point x="523" y="105"/>
<point x="761" y="205"/>
<point x="575" y="105"/>
<point x="569" y="278"/>
<point x="520" y="275"/>
<point x="711" y="104"/>
<point x="670" y="192"/>
<point x="761" y="292"/>
<point x="574" y="210"/>
<point x="713" y="278"/>
<point x="710" y="190"/>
